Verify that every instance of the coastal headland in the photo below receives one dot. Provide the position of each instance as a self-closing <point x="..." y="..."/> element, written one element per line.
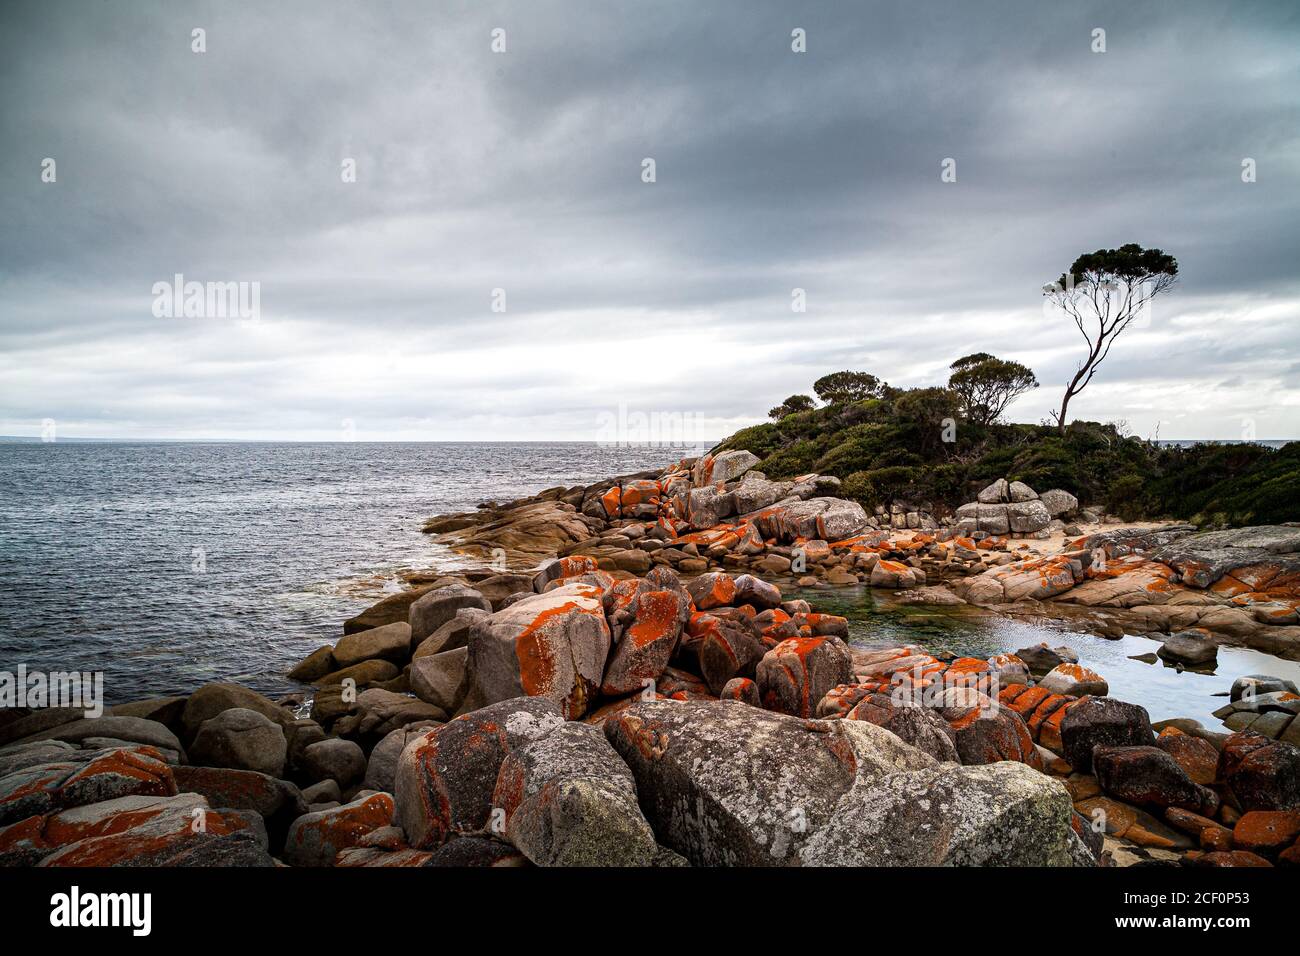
<point x="615" y="675"/>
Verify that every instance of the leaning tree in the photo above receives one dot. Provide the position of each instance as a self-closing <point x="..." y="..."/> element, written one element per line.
<point x="1103" y="293"/>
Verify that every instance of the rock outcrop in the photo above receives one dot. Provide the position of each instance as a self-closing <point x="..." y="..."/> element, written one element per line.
<point x="1012" y="507"/>
<point x="636" y="690"/>
<point x="1240" y="587"/>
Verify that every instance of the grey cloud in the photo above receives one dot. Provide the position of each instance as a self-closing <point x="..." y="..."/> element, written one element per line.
<point x="521" y="171"/>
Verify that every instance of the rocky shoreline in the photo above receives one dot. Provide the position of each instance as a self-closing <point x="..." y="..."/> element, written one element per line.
<point x="620" y="680"/>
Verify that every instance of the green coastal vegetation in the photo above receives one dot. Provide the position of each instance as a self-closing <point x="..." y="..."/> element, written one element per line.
<point x="940" y="444"/>
<point x="891" y="446"/>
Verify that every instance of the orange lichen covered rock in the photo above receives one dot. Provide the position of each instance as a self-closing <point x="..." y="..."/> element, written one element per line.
<point x="1049" y="731"/>
<point x="1036" y="578"/>
<point x="278" y="802"/>
<point x="315" y="839"/>
<point x="677" y="684"/>
<point x="618" y="599"/>
<point x="566" y="799"/>
<point x="899" y="666"/>
<point x="713" y="590"/>
<point x="32" y="790"/>
<point x="599" y="580"/>
<point x="1261" y="774"/>
<point x="1196" y="756"/>
<point x="1046" y="709"/>
<point x="728" y="648"/>
<point x="895" y="574"/>
<point x="813" y="519"/>
<point x="794" y="676"/>
<point x="1009" y="669"/>
<point x="987" y="735"/>
<point x="1026" y="701"/>
<point x="118" y="773"/>
<point x="551" y="645"/>
<point x="742" y="689"/>
<point x="1126" y="581"/>
<point x="108" y="817"/>
<point x="1075" y="680"/>
<point x="24" y="843"/>
<point x="1267" y="832"/>
<point x="83" y="777"/>
<point x="922" y="727"/>
<point x="640" y="498"/>
<point x="647" y="643"/>
<point x="842" y="698"/>
<point x="445" y="777"/>
<point x="561" y="568"/>
<point x="707" y="506"/>
<point x="968" y="672"/>
<point x="1009" y="693"/>
<point x="179" y="830"/>
<point x="823" y="625"/>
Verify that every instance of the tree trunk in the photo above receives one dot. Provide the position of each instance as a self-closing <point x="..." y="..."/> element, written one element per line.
<point x="1071" y="390"/>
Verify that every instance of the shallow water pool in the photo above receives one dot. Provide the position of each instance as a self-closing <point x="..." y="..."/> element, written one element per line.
<point x="876" y="621"/>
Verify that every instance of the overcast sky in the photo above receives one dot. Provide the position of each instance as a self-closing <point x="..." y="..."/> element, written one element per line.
<point x="522" y="171"/>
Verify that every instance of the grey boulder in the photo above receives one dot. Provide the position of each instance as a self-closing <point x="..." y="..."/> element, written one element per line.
<point x="434" y="609"/>
<point x="442" y="679"/>
<point x="1058" y="502"/>
<point x="725" y="784"/>
<point x="392" y="642"/>
<point x="381" y="768"/>
<point x="999" y="814"/>
<point x="334" y="759"/>
<point x="569" y="800"/>
<point x="1189" y="647"/>
<point x="242" y="739"/>
<point x="1102" y="722"/>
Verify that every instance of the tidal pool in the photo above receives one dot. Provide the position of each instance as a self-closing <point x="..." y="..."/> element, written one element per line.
<point x="877" y="621"/>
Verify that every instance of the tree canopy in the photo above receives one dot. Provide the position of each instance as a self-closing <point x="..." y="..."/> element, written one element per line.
<point x="795" y="403"/>
<point x="986" y="385"/>
<point x="842" y="387"/>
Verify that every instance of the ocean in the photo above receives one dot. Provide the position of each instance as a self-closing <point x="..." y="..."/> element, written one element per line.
<point x="166" y="565"/>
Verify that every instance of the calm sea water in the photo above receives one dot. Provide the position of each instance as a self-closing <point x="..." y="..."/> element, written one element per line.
<point x="875" y="621"/>
<point x="166" y="565"/>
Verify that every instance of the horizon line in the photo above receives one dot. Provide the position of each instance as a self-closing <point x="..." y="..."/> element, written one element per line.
<point x="37" y="440"/>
